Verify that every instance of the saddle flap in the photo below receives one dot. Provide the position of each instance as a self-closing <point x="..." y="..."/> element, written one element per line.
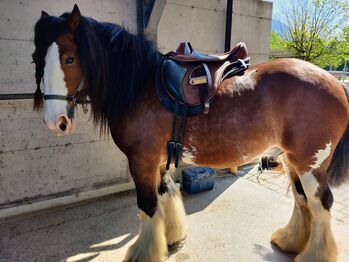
<point x="172" y="76"/>
<point x="177" y="80"/>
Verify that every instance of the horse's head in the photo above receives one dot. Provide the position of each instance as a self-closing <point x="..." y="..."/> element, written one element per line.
<point x="58" y="68"/>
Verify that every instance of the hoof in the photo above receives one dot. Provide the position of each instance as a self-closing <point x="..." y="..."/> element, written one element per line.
<point x="287" y="242"/>
<point x="137" y="253"/>
<point x="307" y="257"/>
<point x="178" y="243"/>
<point x="320" y="249"/>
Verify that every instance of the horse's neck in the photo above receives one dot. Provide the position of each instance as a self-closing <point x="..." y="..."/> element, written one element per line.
<point x="130" y="63"/>
<point x="148" y="104"/>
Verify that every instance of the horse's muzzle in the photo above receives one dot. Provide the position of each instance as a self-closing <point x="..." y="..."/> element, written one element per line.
<point x="62" y="126"/>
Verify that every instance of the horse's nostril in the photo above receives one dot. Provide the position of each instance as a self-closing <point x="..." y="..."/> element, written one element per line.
<point x="63" y="126"/>
<point x="62" y="123"/>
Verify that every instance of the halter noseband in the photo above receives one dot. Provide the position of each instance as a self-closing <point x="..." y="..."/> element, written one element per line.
<point x="74" y="99"/>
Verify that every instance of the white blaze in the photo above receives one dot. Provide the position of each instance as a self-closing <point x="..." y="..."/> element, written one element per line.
<point x="54" y="85"/>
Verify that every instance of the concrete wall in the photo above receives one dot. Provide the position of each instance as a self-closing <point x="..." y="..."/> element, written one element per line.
<point x="202" y="22"/>
<point x="34" y="164"/>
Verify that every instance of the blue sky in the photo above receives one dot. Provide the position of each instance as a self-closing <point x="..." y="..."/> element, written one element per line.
<point x="276" y="7"/>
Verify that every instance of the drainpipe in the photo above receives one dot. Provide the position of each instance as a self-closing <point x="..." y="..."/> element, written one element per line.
<point x="140" y="16"/>
<point x="228" y="25"/>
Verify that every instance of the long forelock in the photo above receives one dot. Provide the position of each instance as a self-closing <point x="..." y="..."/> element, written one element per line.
<point x="47" y="29"/>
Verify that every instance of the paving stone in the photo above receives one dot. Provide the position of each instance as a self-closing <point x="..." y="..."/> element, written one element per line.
<point x="339" y="198"/>
<point x="341" y="190"/>
<point x="345" y="202"/>
<point x="345" y="211"/>
<point x="279" y="183"/>
<point x="338" y="215"/>
<point x="338" y="206"/>
<point x="272" y="187"/>
<point x="346" y="195"/>
<point x="346" y="219"/>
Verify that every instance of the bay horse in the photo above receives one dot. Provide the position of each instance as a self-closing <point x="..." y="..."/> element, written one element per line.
<point x="287" y="103"/>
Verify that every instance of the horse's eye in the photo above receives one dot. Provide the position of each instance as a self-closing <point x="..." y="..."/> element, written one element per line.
<point x="69" y="60"/>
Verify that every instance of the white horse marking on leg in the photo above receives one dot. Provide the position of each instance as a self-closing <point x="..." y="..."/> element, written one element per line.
<point x="175" y="224"/>
<point x="151" y="243"/>
<point x="321" y="155"/>
<point x="294" y="236"/>
<point x="321" y="245"/>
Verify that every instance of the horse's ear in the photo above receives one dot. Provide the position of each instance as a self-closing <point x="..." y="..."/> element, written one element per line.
<point x="74" y="18"/>
<point x="44" y="14"/>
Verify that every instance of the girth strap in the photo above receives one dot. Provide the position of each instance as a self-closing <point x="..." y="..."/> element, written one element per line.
<point x="175" y="144"/>
<point x="206" y="88"/>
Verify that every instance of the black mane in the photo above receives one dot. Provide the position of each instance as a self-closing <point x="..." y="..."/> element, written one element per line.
<point x="117" y="65"/>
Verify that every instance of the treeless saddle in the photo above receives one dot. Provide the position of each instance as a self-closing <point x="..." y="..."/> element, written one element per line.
<point x="187" y="81"/>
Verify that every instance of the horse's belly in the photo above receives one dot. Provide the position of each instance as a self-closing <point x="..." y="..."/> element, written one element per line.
<point x="222" y="156"/>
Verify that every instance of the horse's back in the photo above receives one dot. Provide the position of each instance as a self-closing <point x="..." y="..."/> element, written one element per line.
<point x="301" y="73"/>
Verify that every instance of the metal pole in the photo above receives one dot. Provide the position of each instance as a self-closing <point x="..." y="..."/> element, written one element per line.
<point x="16" y="96"/>
<point x="345" y="66"/>
<point x="228" y="25"/>
<point x="140" y="17"/>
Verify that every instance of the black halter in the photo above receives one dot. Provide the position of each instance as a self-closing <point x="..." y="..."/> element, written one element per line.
<point x="74" y="99"/>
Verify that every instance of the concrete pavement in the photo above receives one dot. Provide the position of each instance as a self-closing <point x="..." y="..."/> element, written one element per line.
<point x="233" y="222"/>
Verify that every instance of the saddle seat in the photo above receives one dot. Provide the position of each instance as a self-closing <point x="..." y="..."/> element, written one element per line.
<point x="186" y="53"/>
<point x="187" y="80"/>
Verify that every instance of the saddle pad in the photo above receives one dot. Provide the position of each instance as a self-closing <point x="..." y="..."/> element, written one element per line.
<point x="172" y="77"/>
<point x="168" y="83"/>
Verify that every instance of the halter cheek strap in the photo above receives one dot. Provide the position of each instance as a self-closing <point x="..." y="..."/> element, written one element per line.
<point x="73" y="98"/>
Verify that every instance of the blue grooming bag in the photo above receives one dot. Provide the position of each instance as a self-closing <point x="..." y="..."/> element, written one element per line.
<point x="198" y="179"/>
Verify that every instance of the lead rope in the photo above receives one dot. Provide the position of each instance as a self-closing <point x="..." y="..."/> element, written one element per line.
<point x="175" y="144"/>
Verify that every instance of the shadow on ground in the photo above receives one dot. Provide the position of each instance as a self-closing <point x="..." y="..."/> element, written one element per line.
<point x="272" y="254"/>
<point x="198" y="202"/>
<point x="90" y="228"/>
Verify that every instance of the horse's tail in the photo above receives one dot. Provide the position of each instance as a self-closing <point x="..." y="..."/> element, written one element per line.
<point x="338" y="171"/>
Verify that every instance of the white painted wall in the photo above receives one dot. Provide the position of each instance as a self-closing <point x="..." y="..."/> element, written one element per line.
<point x="34" y="164"/>
<point x="202" y="22"/>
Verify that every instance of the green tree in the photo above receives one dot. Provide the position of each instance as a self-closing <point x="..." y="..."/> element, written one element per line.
<point x="278" y="46"/>
<point x="277" y="43"/>
<point x="314" y="29"/>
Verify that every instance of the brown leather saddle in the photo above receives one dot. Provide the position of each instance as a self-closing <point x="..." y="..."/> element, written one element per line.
<point x="187" y="81"/>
